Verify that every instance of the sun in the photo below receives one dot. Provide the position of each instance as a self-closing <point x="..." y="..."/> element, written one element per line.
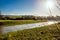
<point x="50" y="4"/>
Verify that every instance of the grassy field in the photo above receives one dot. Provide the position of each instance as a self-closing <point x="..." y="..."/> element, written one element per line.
<point x="51" y="32"/>
<point x="18" y="22"/>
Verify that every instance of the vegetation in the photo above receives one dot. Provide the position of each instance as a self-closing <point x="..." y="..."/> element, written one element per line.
<point x="24" y="17"/>
<point x="16" y="22"/>
<point x="28" y="17"/>
<point x="51" y="32"/>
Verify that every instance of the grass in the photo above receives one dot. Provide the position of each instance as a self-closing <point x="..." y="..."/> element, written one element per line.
<point x="18" y="22"/>
<point x="51" y="32"/>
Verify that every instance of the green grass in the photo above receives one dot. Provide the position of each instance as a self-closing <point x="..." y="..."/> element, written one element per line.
<point x="51" y="32"/>
<point x="18" y="22"/>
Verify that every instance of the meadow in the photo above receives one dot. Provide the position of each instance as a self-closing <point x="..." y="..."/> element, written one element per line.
<point x="50" y="32"/>
<point x="18" y="22"/>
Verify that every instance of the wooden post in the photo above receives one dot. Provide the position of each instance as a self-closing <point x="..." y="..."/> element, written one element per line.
<point x="0" y="15"/>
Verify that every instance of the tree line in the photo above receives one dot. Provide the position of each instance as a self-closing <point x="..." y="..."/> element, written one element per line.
<point x="30" y="18"/>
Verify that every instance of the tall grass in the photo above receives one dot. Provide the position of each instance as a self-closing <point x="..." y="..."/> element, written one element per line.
<point x="51" y="32"/>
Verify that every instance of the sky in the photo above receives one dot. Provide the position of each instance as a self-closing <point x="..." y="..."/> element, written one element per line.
<point x="29" y="7"/>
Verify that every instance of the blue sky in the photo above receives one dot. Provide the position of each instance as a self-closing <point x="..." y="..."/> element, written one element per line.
<point x="16" y="6"/>
<point x="26" y="7"/>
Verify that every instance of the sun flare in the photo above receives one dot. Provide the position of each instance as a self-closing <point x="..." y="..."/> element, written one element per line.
<point x="50" y="4"/>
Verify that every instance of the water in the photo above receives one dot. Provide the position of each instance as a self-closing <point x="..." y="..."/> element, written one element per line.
<point x="25" y="26"/>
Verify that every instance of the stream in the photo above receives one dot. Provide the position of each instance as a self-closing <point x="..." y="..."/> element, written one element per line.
<point x="26" y="26"/>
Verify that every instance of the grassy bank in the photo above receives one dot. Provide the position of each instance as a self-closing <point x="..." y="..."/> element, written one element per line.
<point x="51" y="32"/>
<point x="18" y="22"/>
